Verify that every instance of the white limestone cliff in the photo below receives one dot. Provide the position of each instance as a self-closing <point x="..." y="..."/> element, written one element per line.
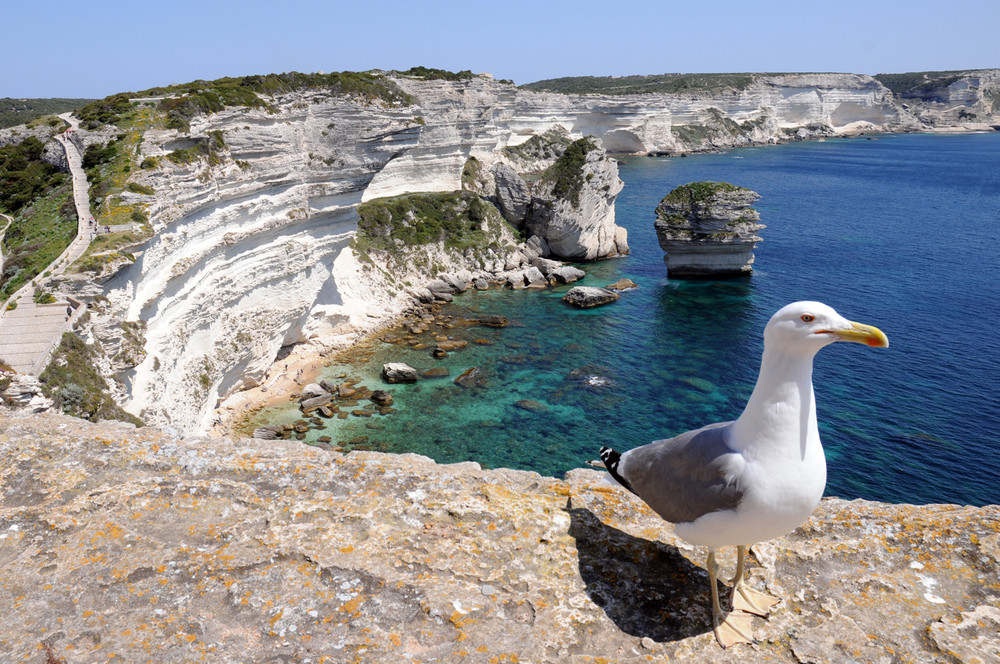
<point x="250" y="251"/>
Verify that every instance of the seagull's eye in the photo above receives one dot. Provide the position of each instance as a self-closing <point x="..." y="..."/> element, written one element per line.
<point x="808" y="318"/>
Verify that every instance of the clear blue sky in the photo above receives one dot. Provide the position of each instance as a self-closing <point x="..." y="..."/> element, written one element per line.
<point x="58" y="48"/>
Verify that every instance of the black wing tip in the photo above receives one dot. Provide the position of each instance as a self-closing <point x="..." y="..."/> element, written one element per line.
<point x="611" y="458"/>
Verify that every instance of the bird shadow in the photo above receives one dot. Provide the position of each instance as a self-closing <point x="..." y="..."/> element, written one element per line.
<point x="647" y="588"/>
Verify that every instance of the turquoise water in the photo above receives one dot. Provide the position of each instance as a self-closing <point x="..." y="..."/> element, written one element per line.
<point x="900" y="232"/>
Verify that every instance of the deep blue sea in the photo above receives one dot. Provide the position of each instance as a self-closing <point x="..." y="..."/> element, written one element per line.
<point x="902" y="232"/>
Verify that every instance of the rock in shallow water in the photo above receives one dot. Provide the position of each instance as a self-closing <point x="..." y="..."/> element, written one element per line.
<point x="586" y="297"/>
<point x="398" y="372"/>
<point x="567" y="274"/>
<point x="473" y="377"/>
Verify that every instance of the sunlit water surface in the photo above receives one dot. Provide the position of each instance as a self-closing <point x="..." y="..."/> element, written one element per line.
<point x="902" y="232"/>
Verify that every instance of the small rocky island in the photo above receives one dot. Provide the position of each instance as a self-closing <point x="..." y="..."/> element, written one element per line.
<point x="708" y="229"/>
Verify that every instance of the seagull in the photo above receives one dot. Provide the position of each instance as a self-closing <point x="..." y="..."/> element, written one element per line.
<point x="755" y="478"/>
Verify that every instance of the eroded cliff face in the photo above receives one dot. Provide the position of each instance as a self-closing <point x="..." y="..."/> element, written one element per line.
<point x="139" y="545"/>
<point x="252" y="228"/>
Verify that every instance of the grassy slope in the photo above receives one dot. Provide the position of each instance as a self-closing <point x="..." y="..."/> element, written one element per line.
<point x="15" y="112"/>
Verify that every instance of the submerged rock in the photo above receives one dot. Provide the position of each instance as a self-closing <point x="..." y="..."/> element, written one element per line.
<point x="708" y="229"/>
<point x="586" y="297"/>
<point x="531" y="405"/>
<point x="492" y="320"/>
<point x="473" y="377"/>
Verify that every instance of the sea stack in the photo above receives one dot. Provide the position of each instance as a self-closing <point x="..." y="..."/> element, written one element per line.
<point x="708" y="229"/>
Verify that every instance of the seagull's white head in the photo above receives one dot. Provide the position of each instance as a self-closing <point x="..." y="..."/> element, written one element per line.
<point x="809" y="326"/>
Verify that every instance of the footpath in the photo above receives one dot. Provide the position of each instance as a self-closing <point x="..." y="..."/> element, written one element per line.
<point x="30" y="332"/>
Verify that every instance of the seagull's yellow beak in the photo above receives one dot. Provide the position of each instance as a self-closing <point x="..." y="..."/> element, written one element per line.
<point x="862" y="334"/>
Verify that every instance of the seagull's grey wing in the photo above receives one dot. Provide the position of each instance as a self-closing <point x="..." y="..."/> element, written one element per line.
<point x="688" y="476"/>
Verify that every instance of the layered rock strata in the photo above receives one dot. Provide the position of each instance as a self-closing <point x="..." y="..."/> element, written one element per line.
<point x="708" y="229"/>
<point x="138" y="545"/>
<point x="253" y="211"/>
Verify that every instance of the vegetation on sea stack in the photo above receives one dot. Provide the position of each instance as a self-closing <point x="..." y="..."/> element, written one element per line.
<point x="566" y="174"/>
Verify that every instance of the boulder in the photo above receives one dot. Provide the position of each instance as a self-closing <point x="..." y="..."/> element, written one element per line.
<point x="314" y="390"/>
<point x="268" y="432"/>
<point x="515" y="260"/>
<point x="459" y="282"/>
<point x="622" y="284"/>
<point x="533" y="278"/>
<point x="567" y="274"/>
<point x="586" y="297"/>
<point x="424" y="295"/>
<point x="536" y="246"/>
<point x="481" y="284"/>
<point x="515" y="280"/>
<point x="381" y="398"/>
<point x="398" y="372"/>
<point x="544" y="265"/>
<point x="312" y="403"/>
<point x="512" y="194"/>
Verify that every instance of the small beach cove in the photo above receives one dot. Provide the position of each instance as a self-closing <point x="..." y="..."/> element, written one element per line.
<point x="894" y="232"/>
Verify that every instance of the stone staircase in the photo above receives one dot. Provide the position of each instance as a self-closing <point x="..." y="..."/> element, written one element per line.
<point x="29" y="333"/>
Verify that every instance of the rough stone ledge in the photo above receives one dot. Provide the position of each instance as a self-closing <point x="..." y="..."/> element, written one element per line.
<point x="120" y="544"/>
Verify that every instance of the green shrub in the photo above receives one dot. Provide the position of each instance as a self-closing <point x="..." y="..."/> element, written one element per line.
<point x="566" y="174"/>
<point x="430" y="74"/>
<point x="149" y="163"/>
<point x="15" y="112"/>
<point x="204" y="97"/>
<point x="24" y="176"/>
<point x="75" y="385"/>
<point x="36" y="237"/>
<point x="110" y="110"/>
<point x="455" y="219"/>
<point x="921" y="84"/>
<point x="634" y="85"/>
<point x="545" y="146"/>
<point x="137" y="188"/>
